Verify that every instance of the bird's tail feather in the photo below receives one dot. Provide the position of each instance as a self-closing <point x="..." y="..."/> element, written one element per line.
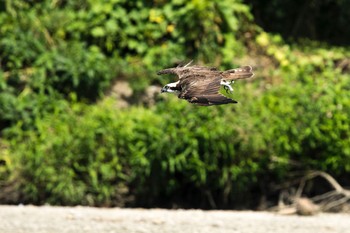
<point x="239" y="73"/>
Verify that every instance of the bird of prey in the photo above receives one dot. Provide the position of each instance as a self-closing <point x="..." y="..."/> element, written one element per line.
<point x="200" y="85"/>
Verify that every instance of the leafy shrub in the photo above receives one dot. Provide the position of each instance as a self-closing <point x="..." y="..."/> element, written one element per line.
<point x="61" y="143"/>
<point x="85" y="155"/>
<point x="63" y="162"/>
<point x="81" y="47"/>
<point x="176" y="153"/>
<point x="162" y="32"/>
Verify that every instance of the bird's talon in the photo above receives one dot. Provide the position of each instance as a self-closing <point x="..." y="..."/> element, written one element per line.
<point x="228" y="88"/>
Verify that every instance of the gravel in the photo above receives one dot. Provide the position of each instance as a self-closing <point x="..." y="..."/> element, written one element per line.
<point x="48" y="219"/>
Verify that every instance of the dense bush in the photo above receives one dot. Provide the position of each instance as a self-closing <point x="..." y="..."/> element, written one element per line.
<point x="181" y="154"/>
<point x="81" y="46"/>
<point x="96" y="152"/>
<point x="64" y="142"/>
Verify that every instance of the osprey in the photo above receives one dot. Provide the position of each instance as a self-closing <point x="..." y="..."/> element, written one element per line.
<point x="200" y="85"/>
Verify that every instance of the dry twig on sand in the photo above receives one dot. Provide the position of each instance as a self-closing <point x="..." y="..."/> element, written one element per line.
<point x="329" y="201"/>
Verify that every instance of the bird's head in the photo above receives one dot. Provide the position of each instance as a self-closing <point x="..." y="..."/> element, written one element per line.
<point x="166" y="88"/>
<point x="170" y="88"/>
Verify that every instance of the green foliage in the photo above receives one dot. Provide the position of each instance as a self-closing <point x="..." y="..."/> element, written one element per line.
<point x="308" y="122"/>
<point x="211" y="157"/>
<point x="91" y="151"/>
<point x="67" y="164"/>
<point x="80" y="47"/>
<point x="63" y="142"/>
<point x="161" y="31"/>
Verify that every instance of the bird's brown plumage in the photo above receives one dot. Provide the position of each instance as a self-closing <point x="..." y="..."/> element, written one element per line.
<point x="200" y="85"/>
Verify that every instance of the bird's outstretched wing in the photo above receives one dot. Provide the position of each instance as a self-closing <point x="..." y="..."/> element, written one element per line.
<point x="187" y="71"/>
<point x="203" y="90"/>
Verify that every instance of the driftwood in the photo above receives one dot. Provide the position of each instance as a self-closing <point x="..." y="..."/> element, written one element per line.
<point x="292" y="201"/>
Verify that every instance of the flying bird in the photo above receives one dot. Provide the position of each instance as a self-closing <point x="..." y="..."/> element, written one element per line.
<point x="201" y="85"/>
